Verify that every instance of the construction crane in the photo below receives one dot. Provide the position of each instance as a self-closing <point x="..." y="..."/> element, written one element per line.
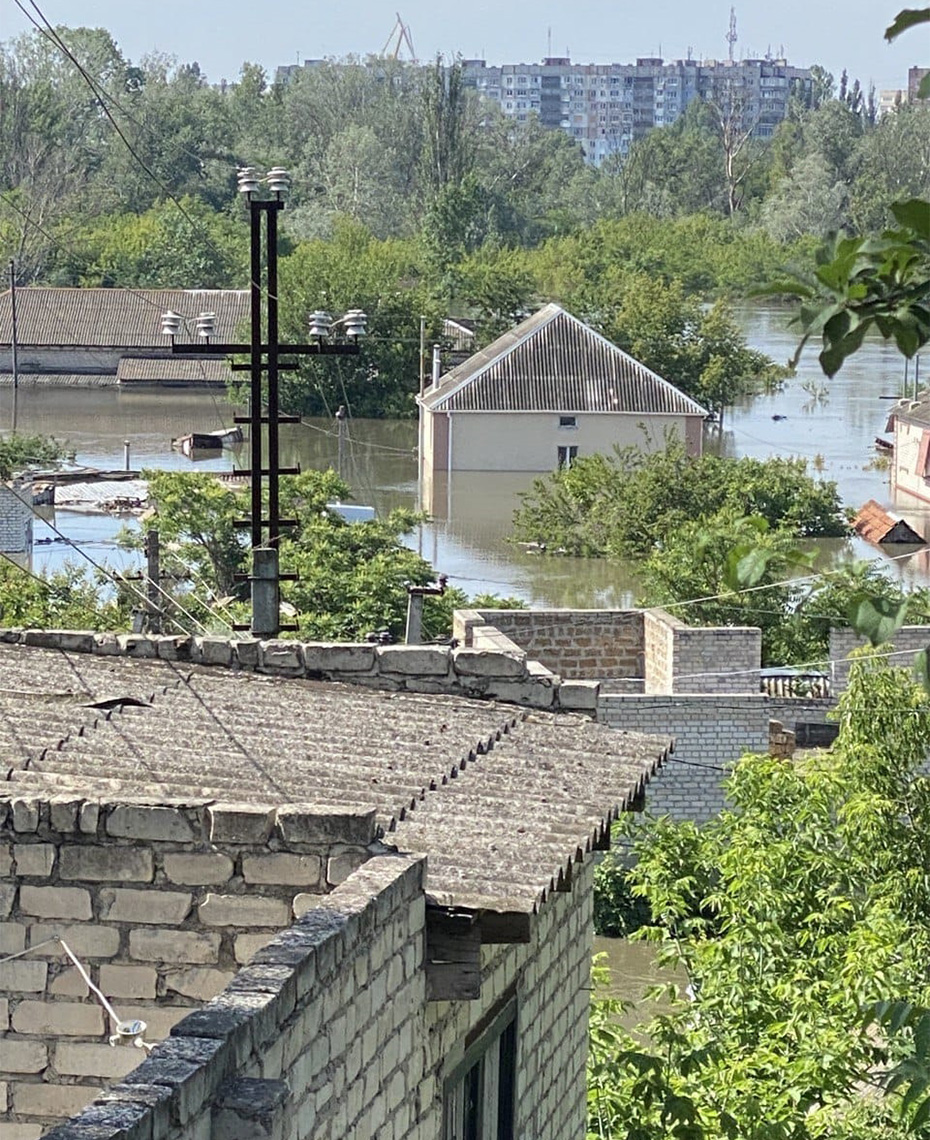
<point x="731" y="34"/>
<point x="400" y="35"/>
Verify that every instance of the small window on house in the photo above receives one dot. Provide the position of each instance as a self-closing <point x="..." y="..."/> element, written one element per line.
<point x="567" y="456"/>
<point x="480" y="1096"/>
<point x="568" y="421"/>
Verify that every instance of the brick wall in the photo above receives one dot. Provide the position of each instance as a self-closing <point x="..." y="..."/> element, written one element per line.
<point x="908" y="641"/>
<point x="328" y="1034"/>
<point x="625" y="650"/>
<point x="161" y="903"/>
<point x="659" y="650"/>
<point x="710" y="733"/>
<point x="16" y="518"/>
<point x="724" y="659"/>
<point x="599" y="645"/>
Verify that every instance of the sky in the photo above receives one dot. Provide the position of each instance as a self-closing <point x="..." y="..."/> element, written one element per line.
<point x="221" y="34"/>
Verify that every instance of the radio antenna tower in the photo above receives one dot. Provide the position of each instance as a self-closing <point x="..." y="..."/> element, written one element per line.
<point x="731" y="34"/>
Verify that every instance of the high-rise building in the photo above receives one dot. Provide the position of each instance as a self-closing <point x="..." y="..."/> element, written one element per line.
<point x="604" y="107"/>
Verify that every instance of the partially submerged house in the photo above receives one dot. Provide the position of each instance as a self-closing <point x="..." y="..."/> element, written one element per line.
<point x="549" y="390"/>
<point x="350" y="910"/>
<point x="113" y="336"/>
<point x="910" y="421"/>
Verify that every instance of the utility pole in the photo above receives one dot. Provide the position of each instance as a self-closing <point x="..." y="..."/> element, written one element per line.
<point x="265" y="358"/>
<point x="14" y="343"/>
<point x="341" y="440"/>
<point x="153" y="580"/>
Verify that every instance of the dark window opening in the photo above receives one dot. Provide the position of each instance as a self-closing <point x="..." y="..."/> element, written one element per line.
<point x="568" y="421"/>
<point x="567" y="456"/>
<point x="479" y="1099"/>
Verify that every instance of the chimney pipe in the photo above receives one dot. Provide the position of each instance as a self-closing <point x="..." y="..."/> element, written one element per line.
<point x="437" y="365"/>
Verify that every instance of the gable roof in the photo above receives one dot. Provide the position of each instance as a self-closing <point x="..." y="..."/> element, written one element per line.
<point x="117" y="318"/>
<point x="457" y="779"/>
<point x="877" y="525"/>
<point x="553" y="362"/>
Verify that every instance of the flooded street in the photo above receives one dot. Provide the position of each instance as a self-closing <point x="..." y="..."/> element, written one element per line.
<point x="832" y="424"/>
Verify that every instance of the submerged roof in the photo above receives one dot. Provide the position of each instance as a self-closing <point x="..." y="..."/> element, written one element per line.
<point x="554" y="362"/>
<point x="118" y="318"/>
<point x="877" y="525"/>
<point x="500" y="799"/>
<point x="172" y="370"/>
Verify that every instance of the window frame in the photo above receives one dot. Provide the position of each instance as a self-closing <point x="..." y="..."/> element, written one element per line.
<point x="493" y="1086"/>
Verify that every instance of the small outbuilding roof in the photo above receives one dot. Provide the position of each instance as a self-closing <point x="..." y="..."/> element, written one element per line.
<point x="501" y="799"/>
<point x="115" y="318"/>
<point x="552" y="362"/>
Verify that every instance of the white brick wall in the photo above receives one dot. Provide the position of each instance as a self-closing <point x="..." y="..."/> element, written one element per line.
<point x="16" y="518"/>
<point x="335" y="1008"/>
<point x="710" y="733"/>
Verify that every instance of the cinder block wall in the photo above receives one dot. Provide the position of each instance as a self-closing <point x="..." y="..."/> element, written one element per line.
<point x="328" y="1034"/>
<point x="597" y="645"/>
<point x="710" y="733"/>
<point x="161" y="904"/>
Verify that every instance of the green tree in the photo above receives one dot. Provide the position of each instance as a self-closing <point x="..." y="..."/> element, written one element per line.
<point x="20" y="453"/>
<point x="355" y="270"/>
<point x="67" y="599"/>
<point x="194" y="514"/>
<point x="629" y="503"/>
<point x="792" y="914"/>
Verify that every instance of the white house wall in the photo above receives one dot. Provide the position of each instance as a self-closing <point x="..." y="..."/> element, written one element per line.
<point x="907" y="437"/>
<point x="529" y="441"/>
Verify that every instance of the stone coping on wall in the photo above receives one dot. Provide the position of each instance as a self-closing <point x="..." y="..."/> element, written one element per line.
<point x="501" y="672"/>
<point x="189" y="1081"/>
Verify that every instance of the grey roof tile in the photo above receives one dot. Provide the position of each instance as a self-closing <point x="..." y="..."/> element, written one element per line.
<point x="499" y="799"/>
<point x="553" y="362"/>
<point x="118" y="318"/>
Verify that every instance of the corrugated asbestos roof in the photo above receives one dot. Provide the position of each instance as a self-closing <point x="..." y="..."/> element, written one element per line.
<point x="118" y="318"/>
<point x="554" y="362"/>
<point x="500" y="799"/>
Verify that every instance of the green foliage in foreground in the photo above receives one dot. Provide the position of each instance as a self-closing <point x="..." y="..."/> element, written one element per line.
<point x="629" y="503"/>
<point x="67" y="599"/>
<point x="793" y="914"/>
<point x="864" y="283"/>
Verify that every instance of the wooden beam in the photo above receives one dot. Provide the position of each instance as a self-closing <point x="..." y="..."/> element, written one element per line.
<point x="453" y="955"/>
<point x="504" y="927"/>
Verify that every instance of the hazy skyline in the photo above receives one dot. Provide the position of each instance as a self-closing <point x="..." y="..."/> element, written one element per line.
<point x="221" y="34"/>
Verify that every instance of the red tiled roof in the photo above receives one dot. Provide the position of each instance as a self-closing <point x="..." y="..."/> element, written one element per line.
<point x="875" y="524"/>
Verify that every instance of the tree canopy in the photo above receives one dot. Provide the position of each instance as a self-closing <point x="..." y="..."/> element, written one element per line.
<point x="800" y="918"/>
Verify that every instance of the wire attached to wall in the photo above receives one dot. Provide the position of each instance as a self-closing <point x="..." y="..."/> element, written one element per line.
<point x="126" y="1032"/>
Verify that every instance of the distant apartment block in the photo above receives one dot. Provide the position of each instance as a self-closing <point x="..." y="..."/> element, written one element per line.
<point x="890" y="100"/>
<point x="604" y="107"/>
<point x="915" y="76"/>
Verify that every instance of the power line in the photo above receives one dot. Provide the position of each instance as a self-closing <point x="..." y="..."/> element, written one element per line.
<point x="118" y="579"/>
<point x="103" y="98"/>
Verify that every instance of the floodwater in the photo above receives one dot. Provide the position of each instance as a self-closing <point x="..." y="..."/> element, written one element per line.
<point x="832" y="424"/>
